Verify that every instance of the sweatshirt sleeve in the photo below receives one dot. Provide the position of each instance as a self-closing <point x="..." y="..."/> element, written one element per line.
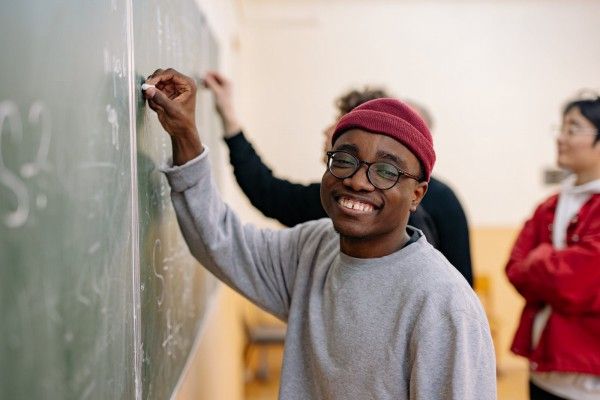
<point x="260" y="264"/>
<point x="567" y="279"/>
<point x="528" y="239"/>
<point x="452" y="357"/>
<point x="289" y="203"/>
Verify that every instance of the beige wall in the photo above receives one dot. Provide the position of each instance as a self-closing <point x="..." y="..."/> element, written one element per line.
<point x="216" y="369"/>
<point x="490" y="250"/>
<point x="493" y="72"/>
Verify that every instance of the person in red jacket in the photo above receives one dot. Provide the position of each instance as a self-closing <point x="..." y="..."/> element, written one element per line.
<point x="555" y="266"/>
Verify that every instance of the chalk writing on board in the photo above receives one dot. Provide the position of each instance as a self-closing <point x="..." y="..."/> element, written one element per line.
<point x="38" y="115"/>
<point x="113" y="120"/>
<point x="159" y="27"/>
<point x="11" y="123"/>
<point x="89" y="390"/>
<point x="172" y="333"/>
<point x="41" y="201"/>
<point x="79" y="290"/>
<point x="156" y="250"/>
<point x="94" y="248"/>
<point x="114" y="66"/>
<point x="9" y="113"/>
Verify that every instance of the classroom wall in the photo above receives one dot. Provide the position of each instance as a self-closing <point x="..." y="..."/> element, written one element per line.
<point x="490" y="251"/>
<point x="493" y="73"/>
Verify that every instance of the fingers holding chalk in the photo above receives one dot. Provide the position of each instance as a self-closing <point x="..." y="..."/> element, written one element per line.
<point x="148" y="89"/>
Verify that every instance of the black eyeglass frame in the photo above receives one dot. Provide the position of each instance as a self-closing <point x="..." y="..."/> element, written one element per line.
<point x="401" y="172"/>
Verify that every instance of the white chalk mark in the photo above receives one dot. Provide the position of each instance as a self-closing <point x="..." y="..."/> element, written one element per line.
<point x="82" y="299"/>
<point x="39" y="115"/>
<point x="159" y="276"/>
<point x="159" y="27"/>
<point x="107" y="67"/>
<point x="169" y="337"/>
<point x="94" y="248"/>
<point x="69" y="336"/>
<point x="88" y="391"/>
<point x="113" y="120"/>
<point x="118" y="67"/>
<point x="41" y="201"/>
<point x="172" y="334"/>
<point x="167" y="340"/>
<point x="79" y="291"/>
<point x="17" y="218"/>
<point x="96" y="288"/>
<point x="118" y="71"/>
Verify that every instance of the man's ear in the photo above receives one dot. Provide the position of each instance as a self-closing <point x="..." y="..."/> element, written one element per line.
<point x="418" y="194"/>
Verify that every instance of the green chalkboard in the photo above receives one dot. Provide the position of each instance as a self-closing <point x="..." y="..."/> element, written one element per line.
<point x="99" y="297"/>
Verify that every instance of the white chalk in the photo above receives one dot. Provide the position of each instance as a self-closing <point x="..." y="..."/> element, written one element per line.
<point x="146" y="86"/>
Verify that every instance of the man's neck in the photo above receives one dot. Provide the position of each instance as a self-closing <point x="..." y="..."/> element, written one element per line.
<point x="373" y="247"/>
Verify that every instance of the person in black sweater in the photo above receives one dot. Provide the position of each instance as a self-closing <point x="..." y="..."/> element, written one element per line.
<point x="293" y="203"/>
<point x="444" y="208"/>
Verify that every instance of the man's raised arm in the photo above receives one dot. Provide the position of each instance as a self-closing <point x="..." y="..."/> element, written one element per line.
<point x="174" y="100"/>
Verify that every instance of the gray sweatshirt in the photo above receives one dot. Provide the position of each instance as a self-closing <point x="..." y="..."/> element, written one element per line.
<point x="403" y="326"/>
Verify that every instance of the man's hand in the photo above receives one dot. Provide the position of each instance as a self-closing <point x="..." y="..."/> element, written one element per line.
<point x="222" y="90"/>
<point x="174" y="100"/>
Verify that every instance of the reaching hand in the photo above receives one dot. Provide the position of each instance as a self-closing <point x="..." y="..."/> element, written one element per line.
<point x="174" y="100"/>
<point x="223" y="92"/>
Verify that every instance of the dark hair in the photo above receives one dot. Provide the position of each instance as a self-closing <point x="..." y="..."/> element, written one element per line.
<point x="354" y="98"/>
<point x="590" y="109"/>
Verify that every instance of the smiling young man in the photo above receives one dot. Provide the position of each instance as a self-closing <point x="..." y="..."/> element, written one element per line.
<point x="370" y="210"/>
<point x="373" y="310"/>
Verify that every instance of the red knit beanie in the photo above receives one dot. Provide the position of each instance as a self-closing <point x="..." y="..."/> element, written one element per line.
<point x="395" y="119"/>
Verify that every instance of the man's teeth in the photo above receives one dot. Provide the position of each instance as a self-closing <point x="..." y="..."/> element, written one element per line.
<point x="355" y="205"/>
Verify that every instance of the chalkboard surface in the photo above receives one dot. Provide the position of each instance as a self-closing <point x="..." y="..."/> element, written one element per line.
<point x="99" y="297"/>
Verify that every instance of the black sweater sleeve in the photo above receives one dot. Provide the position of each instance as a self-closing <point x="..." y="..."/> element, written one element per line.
<point x="289" y="203"/>
<point x="422" y="220"/>
<point x="450" y="221"/>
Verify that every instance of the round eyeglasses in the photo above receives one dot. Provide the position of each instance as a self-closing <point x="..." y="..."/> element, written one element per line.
<point x="382" y="175"/>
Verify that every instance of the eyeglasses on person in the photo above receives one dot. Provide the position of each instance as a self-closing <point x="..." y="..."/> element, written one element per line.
<point x="380" y="174"/>
<point x="571" y="130"/>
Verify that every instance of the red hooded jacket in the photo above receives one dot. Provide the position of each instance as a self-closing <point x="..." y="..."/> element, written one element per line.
<point x="569" y="281"/>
